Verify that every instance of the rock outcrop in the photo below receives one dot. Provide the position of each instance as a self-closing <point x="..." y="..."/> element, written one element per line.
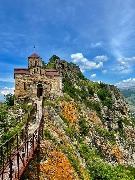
<point x="89" y="130"/>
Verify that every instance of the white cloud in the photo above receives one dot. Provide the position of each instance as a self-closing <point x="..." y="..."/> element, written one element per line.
<point x="6" y="90"/>
<point x="93" y="75"/>
<point x="97" y="44"/>
<point x="122" y="69"/>
<point x="126" y="83"/>
<point x="104" y="71"/>
<point x="125" y="65"/>
<point x="124" y="60"/>
<point x="84" y="63"/>
<point x="101" y="58"/>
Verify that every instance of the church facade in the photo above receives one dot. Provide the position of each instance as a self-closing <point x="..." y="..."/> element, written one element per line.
<point x="36" y="82"/>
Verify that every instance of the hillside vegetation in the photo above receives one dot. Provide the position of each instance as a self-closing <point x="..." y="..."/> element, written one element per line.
<point x="88" y="131"/>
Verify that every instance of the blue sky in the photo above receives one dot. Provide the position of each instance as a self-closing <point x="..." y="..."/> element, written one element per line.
<point x="97" y="35"/>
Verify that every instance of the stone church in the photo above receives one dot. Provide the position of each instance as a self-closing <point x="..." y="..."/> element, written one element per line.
<point x="36" y="82"/>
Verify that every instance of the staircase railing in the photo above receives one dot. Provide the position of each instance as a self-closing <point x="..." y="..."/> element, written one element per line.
<point x="16" y="153"/>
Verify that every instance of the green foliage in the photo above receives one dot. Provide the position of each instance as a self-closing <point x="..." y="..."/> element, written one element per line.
<point x="9" y="99"/>
<point x="93" y="105"/>
<point x="94" y="164"/>
<point x="51" y="63"/>
<point x="76" y="93"/>
<point x="74" y="162"/>
<point x="70" y="89"/>
<point x="48" y="103"/>
<point x="81" y="76"/>
<point x="14" y="131"/>
<point x="44" y="64"/>
<point x="96" y="106"/>
<point x="90" y="90"/>
<point x="9" y="126"/>
<point x="67" y="98"/>
<point x="64" y="119"/>
<point x="25" y="107"/>
<point x="79" y="107"/>
<point x="3" y="118"/>
<point x="103" y="94"/>
<point x="105" y="97"/>
<point x="108" y="102"/>
<point x="53" y="58"/>
<point x="83" y="127"/>
<point x="89" y="155"/>
<point x="70" y="130"/>
<point x="47" y="134"/>
<point x="104" y="171"/>
<point x="51" y="103"/>
<point x="107" y="135"/>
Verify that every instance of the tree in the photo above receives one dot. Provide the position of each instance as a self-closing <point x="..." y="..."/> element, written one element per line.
<point x="51" y="63"/>
<point x="53" y="58"/>
<point x="9" y="99"/>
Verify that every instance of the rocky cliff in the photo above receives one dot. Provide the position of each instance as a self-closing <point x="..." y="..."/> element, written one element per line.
<point x="88" y="131"/>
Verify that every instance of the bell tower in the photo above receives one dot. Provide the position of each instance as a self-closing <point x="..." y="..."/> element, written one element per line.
<point x="34" y="61"/>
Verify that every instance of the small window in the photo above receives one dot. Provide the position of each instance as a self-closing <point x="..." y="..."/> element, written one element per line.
<point x="34" y="71"/>
<point x="37" y="69"/>
<point x="24" y="86"/>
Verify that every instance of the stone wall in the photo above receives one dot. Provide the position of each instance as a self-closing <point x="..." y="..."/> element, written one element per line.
<point x="26" y="86"/>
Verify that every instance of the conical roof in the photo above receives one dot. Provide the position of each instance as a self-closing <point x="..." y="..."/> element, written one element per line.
<point x="34" y="55"/>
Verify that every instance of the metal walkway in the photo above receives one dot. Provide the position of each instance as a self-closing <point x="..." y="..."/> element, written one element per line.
<point x="16" y="153"/>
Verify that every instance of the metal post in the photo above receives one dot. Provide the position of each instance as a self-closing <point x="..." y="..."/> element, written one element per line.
<point x="7" y="153"/>
<point x="33" y="142"/>
<point x="18" y="164"/>
<point x="2" y="160"/>
<point x="27" y="148"/>
<point x="11" y="170"/>
<point x="17" y="142"/>
<point x="27" y="141"/>
<point x="38" y="161"/>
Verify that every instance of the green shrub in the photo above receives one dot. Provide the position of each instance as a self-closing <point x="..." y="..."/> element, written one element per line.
<point x="64" y="119"/>
<point x="107" y="135"/>
<point x="83" y="127"/>
<point x="99" y="170"/>
<point x="9" y="99"/>
<point x="96" y="106"/>
<point x="103" y="94"/>
<point x="81" y="76"/>
<point x="3" y="118"/>
<point x="90" y="90"/>
<point x="108" y="102"/>
<point x="47" y="134"/>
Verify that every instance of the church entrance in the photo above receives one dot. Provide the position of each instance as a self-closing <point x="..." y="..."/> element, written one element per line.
<point x="39" y="90"/>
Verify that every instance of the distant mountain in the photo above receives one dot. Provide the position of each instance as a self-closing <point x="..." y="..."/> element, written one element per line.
<point x="129" y="94"/>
